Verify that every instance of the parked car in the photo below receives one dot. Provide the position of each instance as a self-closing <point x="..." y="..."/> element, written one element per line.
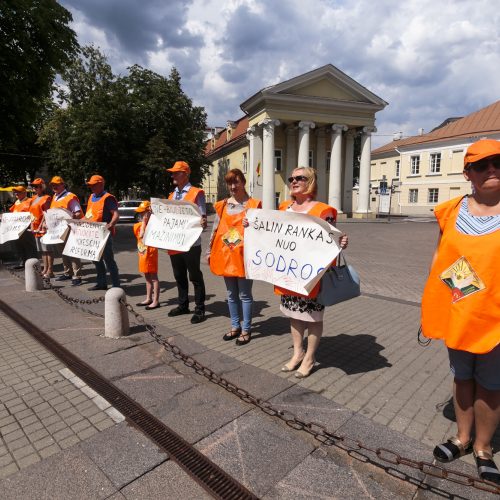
<point x="126" y="209"/>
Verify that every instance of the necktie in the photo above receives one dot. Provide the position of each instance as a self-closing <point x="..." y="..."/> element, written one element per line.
<point x="178" y="195"/>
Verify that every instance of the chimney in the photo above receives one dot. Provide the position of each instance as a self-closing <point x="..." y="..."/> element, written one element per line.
<point x="397" y="136"/>
<point x="420" y="131"/>
<point x="230" y="127"/>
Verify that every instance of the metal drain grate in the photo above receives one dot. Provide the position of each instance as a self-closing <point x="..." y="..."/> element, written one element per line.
<point x="209" y="475"/>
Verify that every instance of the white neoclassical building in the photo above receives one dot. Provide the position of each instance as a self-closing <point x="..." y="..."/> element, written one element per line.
<point x="310" y="120"/>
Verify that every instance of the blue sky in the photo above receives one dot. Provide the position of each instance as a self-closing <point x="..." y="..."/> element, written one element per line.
<point x="428" y="59"/>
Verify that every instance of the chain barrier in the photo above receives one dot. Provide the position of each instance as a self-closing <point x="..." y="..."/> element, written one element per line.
<point x="318" y="431"/>
<point x="315" y="429"/>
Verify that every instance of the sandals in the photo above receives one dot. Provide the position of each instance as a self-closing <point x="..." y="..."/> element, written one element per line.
<point x="451" y="450"/>
<point x="233" y="334"/>
<point x="486" y="467"/>
<point x="244" y="338"/>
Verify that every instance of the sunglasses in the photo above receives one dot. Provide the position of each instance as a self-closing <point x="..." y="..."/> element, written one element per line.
<point x="297" y="178"/>
<point x="482" y="165"/>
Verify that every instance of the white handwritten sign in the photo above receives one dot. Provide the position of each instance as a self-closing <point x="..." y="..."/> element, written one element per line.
<point x="13" y="225"/>
<point x="173" y="225"/>
<point x="86" y="239"/>
<point x="288" y="249"/>
<point x="57" y="225"/>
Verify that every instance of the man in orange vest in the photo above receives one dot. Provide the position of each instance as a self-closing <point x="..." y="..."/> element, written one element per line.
<point x="103" y="207"/>
<point x="188" y="262"/>
<point x="25" y="245"/>
<point x="72" y="266"/>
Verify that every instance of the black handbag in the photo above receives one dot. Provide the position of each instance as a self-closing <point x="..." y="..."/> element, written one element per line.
<point x="339" y="283"/>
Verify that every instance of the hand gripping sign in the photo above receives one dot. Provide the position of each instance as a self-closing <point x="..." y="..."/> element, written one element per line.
<point x="288" y="249"/>
<point x="173" y="225"/>
<point x="56" y="220"/>
<point x="86" y="239"/>
<point x="13" y="225"/>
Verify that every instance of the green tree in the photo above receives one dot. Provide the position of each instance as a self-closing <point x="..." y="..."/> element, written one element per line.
<point x="36" y="44"/>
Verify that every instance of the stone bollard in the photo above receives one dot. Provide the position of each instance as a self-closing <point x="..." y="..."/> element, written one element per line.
<point x="32" y="277"/>
<point x="116" y="322"/>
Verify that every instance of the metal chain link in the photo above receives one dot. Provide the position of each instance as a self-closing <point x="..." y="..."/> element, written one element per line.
<point x="318" y="431"/>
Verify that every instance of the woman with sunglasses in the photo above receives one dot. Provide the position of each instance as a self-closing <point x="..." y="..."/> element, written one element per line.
<point x="225" y="254"/>
<point x="305" y="312"/>
<point x="461" y="305"/>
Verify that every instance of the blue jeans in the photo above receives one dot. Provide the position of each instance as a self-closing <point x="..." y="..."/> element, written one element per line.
<point x="239" y="294"/>
<point x="107" y="258"/>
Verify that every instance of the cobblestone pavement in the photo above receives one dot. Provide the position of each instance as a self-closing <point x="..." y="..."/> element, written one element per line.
<point x="44" y="408"/>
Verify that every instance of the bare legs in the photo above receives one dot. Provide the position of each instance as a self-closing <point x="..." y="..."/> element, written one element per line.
<point x="298" y="328"/>
<point x="152" y="290"/>
<point x="47" y="261"/>
<point x="479" y="407"/>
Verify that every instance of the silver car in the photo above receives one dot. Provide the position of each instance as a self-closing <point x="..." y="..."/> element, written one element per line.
<point x="127" y="212"/>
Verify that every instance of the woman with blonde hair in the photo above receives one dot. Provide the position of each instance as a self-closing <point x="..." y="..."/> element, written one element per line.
<point x="305" y="312"/>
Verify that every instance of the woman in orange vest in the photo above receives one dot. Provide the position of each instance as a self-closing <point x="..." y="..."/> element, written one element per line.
<point x="39" y="205"/>
<point x="461" y="305"/>
<point x="305" y="312"/>
<point x="225" y="254"/>
<point x="148" y="259"/>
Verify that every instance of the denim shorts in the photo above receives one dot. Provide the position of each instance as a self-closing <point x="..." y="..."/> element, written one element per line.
<point x="483" y="368"/>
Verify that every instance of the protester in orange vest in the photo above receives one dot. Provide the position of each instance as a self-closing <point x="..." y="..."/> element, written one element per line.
<point x="225" y="254"/>
<point x="103" y="207"/>
<point x="72" y="266"/>
<point x="461" y="305"/>
<point x="25" y="245"/>
<point x="148" y="259"/>
<point x="188" y="262"/>
<point x="304" y="311"/>
<point x="40" y="203"/>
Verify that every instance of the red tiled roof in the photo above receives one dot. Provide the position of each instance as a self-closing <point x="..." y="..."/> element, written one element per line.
<point x="221" y="141"/>
<point x="484" y="121"/>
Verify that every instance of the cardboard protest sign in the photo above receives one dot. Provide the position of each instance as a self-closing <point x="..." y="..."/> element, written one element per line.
<point x="57" y="226"/>
<point x="173" y="225"/>
<point x="13" y="225"/>
<point x="288" y="249"/>
<point x="86" y="239"/>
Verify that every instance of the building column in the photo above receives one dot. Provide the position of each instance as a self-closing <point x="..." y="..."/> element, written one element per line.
<point x="321" y="163"/>
<point x="348" y="171"/>
<point x="335" y="184"/>
<point x="268" y="190"/>
<point x="255" y="158"/>
<point x="364" y="171"/>
<point x="291" y="155"/>
<point x="304" y="130"/>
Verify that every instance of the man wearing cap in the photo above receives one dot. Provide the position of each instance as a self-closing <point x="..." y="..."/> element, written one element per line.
<point x="72" y="266"/>
<point x="103" y="207"/>
<point x="40" y="203"/>
<point x="184" y="263"/>
<point x="26" y="243"/>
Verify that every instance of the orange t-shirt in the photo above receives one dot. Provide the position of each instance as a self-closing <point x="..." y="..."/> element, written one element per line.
<point x="461" y="300"/>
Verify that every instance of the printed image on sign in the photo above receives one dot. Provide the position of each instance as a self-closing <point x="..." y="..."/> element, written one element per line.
<point x="57" y="226"/>
<point x="86" y="239"/>
<point x="173" y="225"/>
<point x="288" y="249"/>
<point x="13" y="225"/>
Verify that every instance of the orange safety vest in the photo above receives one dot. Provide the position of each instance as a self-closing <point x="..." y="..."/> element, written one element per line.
<point x="95" y="209"/>
<point x="191" y="196"/>
<point x="321" y="210"/>
<point x="64" y="201"/>
<point x="37" y="209"/>
<point x="21" y="206"/>
<point x="148" y="256"/>
<point x="226" y="254"/>
<point x="461" y="300"/>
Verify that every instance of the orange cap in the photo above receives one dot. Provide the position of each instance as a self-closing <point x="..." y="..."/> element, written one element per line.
<point x="38" y="182"/>
<point x="19" y="189"/>
<point x="144" y="206"/>
<point x="481" y="149"/>
<point x="56" y="180"/>
<point x="180" y="166"/>
<point x="95" y="179"/>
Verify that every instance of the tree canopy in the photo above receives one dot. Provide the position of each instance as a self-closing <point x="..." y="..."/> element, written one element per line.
<point x="36" y="44"/>
<point x="127" y="128"/>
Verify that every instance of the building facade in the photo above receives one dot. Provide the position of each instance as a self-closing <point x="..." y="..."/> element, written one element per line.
<point x="427" y="169"/>
<point x="309" y="120"/>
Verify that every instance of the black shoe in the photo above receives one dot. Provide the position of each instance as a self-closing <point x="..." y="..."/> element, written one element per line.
<point x="143" y="304"/>
<point x="63" y="277"/>
<point x="76" y="281"/>
<point x="244" y="338"/>
<point x="98" y="287"/>
<point x="148" y="308"/>
<point x="198" y="317"/>
<point x="18" y="267"/>
<point x="177" y="311"/>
